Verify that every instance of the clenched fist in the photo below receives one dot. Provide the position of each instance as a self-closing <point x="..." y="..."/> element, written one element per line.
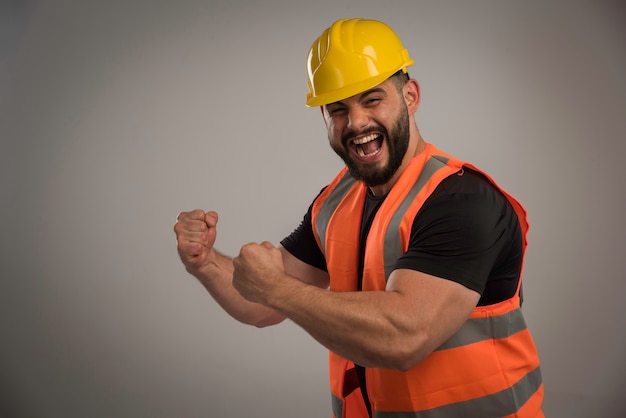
<point x="196" y="232"/>
<point x="258" y="271"/>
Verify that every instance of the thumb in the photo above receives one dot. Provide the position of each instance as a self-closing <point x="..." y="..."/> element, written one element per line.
<point x="210" y="218"/>
<point x="267" y="245"/>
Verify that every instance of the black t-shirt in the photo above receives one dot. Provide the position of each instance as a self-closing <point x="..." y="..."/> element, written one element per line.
<point x="466" y="231"/>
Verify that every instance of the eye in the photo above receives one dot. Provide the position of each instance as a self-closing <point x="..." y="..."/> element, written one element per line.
<point x="336" y="111"/>
<point x="372" y="101"/>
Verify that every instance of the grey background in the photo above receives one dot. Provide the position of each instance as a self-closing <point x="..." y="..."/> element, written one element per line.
<point x="117" y="115"/>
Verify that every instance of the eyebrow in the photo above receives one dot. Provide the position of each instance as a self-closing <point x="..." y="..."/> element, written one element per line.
<point x="362" y="95"/>
<point x="373" y="90"/>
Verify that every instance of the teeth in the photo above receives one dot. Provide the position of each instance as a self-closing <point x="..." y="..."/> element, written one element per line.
<point x="363" y="154"/>
<point x="365" y="139"/>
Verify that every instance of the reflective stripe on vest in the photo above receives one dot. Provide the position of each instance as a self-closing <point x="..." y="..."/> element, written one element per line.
<point x="337" y="406"/>
<point x="485" y="328"/>
<point x="499" y="404"/>
<point x="393" y="247"/>
<point x="329" y="206"/>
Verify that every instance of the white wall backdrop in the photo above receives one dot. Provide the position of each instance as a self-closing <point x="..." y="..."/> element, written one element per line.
<point x="116" y="115"/>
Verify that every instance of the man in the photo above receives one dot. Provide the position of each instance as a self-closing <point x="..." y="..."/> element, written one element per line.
<point x="407" y="266"/>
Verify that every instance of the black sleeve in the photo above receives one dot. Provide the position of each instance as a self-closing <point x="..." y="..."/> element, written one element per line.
<point x="468" y="232"/>
<point x="301" y="243"/>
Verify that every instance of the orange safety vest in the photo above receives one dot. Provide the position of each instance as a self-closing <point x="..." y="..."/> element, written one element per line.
<point x="489" y="368"/>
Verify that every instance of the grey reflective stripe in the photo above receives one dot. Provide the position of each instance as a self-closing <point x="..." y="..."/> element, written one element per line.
<point x="330" y="205"/>
<point x="499" y="404"/>
<point x="337" y="405"/>
<point x="393" y="247"/>
<point x="492" y="327"/>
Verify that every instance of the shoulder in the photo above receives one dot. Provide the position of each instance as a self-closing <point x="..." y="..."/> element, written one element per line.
<point x="467" y="181"/>
<point x="464" y="230"/>
<point x="467" y="197"/>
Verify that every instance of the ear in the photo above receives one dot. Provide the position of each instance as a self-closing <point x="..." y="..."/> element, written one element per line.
<point x="412" y="96"/>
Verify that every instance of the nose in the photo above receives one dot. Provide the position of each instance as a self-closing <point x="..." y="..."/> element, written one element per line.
<point x="357" y="118"/>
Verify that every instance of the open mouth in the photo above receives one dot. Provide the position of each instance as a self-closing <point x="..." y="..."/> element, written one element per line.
<point x="368" y="146"/>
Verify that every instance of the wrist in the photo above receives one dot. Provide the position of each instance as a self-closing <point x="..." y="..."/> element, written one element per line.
<point x="288" y="294"/>
<point x="215" y="264"/>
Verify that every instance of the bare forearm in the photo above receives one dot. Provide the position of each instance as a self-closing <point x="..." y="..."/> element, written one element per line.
<point x="368" y="328"/>
<point x="216" y="277"/>
<point x="395" y="328"/>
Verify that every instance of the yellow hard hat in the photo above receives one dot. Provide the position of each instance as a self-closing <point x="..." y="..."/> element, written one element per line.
<point x="351" y="56"/>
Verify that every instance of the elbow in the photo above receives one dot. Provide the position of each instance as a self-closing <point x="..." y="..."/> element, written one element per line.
<point x="405" y="364"/>
<point x="263" y="324"/>
<point x="409" y="354"/>
<point x="265" y="321"/>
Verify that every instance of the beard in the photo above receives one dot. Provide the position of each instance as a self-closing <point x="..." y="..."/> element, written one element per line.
<point x="397" y="143"/>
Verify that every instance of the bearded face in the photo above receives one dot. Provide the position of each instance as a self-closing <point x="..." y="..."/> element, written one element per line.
<point x="368" y="143"/>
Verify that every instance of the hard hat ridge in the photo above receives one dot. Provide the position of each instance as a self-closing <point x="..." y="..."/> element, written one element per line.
<point x="351" y="56"/>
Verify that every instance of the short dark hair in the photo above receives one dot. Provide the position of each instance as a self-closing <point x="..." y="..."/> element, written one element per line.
<point x="400" y="78"/>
